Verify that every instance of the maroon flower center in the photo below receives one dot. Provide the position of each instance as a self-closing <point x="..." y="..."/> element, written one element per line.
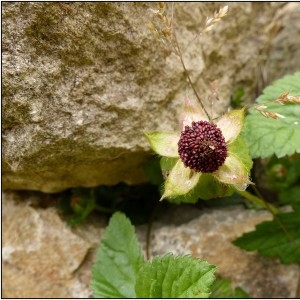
<point x="202" y="147"/>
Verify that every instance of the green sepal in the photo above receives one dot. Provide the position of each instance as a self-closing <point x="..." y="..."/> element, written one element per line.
<point x="164" y="143"/>
<point x="180" y="181"/>
<point x="231" y="124"/>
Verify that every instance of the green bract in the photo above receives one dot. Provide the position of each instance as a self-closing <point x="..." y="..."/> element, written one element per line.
<point x="181" y="180"/>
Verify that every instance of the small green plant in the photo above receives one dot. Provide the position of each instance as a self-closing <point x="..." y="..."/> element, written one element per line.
<point x="79" y="203"/>
<point x="208" y="158"/>
<point x="277" y="135"/>
<point x="205" y="159"/>
<point x="120" y="270"/>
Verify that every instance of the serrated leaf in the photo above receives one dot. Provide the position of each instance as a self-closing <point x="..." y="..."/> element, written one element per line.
<point x="269" y="239"/>
<point x="175" y="277"/>
<point x="267" y="136"/>
<point x="222" y="288"/>
<point x="118" y="260"/>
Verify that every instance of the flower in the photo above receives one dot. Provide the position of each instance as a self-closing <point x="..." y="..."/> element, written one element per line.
<point x="203" y="147"/>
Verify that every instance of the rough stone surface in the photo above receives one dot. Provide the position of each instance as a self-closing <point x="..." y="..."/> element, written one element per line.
<point x="40" y="254"/>
<point x="284" y="53"/>
<point x="83" y="81"/>
<point x="43" y="258"/>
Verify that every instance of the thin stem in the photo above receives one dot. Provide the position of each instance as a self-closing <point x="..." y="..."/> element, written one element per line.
<point x="178" y="52"/>
<point x="259" y="201"/>
<point x="272" y="209"/>
<point x="258" y="193"/>
<point x="149" y="230"/>
<point x="148" y="239"/>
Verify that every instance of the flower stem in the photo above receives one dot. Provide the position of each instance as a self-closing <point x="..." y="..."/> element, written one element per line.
<point x="259" y="201"/>
<point x="272" y="209"/>
<point x="179" y="54"/>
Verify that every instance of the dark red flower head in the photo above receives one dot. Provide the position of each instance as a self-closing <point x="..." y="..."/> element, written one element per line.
<point x="202" y="147"/>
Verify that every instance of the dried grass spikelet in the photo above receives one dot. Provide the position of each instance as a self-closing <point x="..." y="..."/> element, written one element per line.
<point x="161" y="26"/>
<point x="286" y="98"/>
<point x="282" y="99"/>
<point x="268" y="114"/>
<point x="210" y="22"/>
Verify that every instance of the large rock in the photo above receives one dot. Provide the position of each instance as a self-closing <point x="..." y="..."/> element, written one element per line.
<point x="284" y="25"/>
<point x="40" y="254"/>
<point x="43" y="258"/>
<point x="83" y="81"/>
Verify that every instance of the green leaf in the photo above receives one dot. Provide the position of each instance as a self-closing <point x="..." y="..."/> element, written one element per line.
<point x="267" y="136"/>
<point x="269" y="239"/>
<point x="222" y="288"/>
<point x="175" y="277"/>
<point x="118" y="260"/>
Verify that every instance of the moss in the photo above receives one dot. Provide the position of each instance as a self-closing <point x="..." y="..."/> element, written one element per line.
<point x="76" y="41"/>
<point x="14" y="115"/>
<point x="50" y="35"/>
<point x="44" y="30"/>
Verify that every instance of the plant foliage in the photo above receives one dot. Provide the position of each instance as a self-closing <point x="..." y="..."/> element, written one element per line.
<point x="222" y="288"/>
<point x="175" y="277"/>
<point x="268" y="136"/>
<point x="118" y="260"/>
<point x="121" y="272"/>
<point x="270" y="239"/>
